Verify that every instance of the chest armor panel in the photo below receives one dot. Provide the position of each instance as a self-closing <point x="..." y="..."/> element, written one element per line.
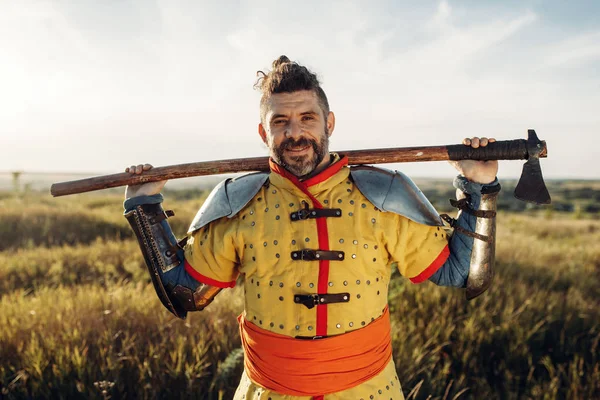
<point x="268" y="236"/>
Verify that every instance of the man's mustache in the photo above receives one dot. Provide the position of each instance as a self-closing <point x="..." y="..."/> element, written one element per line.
<point x="290" y="143"/>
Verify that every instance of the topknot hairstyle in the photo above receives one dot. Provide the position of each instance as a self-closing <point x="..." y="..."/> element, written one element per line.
<point x="287" y="77"/>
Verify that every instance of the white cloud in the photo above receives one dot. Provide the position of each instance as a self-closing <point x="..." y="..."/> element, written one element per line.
<point x="441" y="19"/>
<point x="581" y="49"/>
<point x="455" y="45"/>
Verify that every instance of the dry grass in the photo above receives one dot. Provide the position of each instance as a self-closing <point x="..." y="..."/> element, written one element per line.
<point x="78" y="318"/>
<point x="37" y="220"/>
<point x="66" y="341"/>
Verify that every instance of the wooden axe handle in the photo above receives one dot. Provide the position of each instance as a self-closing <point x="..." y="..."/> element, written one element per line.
<point x="500" y="150"/>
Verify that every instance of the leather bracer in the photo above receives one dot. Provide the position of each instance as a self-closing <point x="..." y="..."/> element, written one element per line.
<point x="164" y="258"/>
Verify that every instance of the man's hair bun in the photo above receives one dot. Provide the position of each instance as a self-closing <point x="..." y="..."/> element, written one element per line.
<point x="280" y="61"/>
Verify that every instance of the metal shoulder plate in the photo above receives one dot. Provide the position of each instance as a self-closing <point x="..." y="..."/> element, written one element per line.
<point x="228" y="198"/>
<point x="395" y="192"/>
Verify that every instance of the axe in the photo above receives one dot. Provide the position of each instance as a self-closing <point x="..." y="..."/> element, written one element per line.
<point x="530" y="188"/>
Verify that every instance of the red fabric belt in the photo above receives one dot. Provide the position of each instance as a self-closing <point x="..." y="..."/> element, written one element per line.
<point x="315" y="367"/>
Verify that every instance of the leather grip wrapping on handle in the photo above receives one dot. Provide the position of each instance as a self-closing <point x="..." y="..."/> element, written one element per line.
<point x="501" y="150"/>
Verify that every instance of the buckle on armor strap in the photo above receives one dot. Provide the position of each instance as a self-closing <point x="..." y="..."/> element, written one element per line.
<point x="156" y="214"/>
<point x="316" y="255"/>
<point x="307" y="213"/>
<point x="311" y="300"/>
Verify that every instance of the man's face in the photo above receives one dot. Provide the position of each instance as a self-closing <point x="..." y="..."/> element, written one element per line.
<point x="296" y="131"/>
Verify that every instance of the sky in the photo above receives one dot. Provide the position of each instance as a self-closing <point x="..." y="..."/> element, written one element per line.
<point x="95" y="86"/>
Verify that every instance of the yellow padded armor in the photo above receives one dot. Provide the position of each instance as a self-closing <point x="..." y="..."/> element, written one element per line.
<point x="259" y="240"/>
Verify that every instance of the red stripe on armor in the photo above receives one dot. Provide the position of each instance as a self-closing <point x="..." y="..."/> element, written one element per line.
<point x="323" y="272"/>
<point x="205" y="279"/>
<point x="433" y="267"/>
<point x="322" y="232"/>
<point x="327" y="173"/>
<point x="320" y="177"/>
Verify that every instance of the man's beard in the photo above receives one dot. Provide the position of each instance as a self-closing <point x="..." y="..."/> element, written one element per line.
<point x="304" y="164"/>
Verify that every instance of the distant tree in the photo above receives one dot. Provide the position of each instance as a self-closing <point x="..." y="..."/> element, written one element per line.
<point x="16" y="184"/>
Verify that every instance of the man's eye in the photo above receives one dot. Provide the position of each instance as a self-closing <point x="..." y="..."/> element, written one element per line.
<point x="307" y="118"/>
<point x="278" y="122"/>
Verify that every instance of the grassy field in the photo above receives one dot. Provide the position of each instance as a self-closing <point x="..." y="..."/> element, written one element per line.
<point x="79" y="319"/>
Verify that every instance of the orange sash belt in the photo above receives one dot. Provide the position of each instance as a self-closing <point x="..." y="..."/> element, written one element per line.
<point x="301" y="367"/>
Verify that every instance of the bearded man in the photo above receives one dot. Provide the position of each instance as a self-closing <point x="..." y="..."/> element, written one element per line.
<point x="315" y="241"/>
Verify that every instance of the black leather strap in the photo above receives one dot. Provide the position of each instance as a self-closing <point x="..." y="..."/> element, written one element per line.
<point x="462" y="204"/>
<point x="181" y="244"/>
<point x="311" y="300"/>
<point x="452" y="222"/>
<point x="156" y="214"/>
<point x="316" y="255"/>
<point x="307" y="213"/>
<point x="486" y="189"/>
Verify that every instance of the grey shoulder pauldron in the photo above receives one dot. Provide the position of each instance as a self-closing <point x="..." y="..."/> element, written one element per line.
<point x="395" y="192"/>
<point x="228" y="198"/>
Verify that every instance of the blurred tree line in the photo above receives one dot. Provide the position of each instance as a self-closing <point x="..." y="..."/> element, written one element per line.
<point x="567" y="196"/>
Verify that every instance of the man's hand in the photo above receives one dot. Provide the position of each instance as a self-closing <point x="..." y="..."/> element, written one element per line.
<point x="477" y="171"/>
<point x="145" y="189"/>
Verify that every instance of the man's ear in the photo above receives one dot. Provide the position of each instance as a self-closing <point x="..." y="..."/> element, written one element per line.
<point x="330" y="122"/>
<point x="262" y="133"/>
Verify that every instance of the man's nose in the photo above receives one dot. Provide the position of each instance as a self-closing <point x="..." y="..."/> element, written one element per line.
<point x="294" y="129"/>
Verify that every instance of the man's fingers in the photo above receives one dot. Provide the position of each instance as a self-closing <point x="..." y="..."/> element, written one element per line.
<point x="476" y="142"/>
<point x="138" y="169"/>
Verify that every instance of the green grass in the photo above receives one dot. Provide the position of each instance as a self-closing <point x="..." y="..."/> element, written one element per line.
<point x="79" y="318"/>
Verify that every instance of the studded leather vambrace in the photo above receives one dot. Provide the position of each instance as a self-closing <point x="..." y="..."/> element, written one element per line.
<point x="164" y="256"/>
<point x="479" y="202"/>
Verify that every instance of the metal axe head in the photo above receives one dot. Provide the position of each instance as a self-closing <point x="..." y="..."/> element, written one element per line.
<point x="531" y="186"/>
